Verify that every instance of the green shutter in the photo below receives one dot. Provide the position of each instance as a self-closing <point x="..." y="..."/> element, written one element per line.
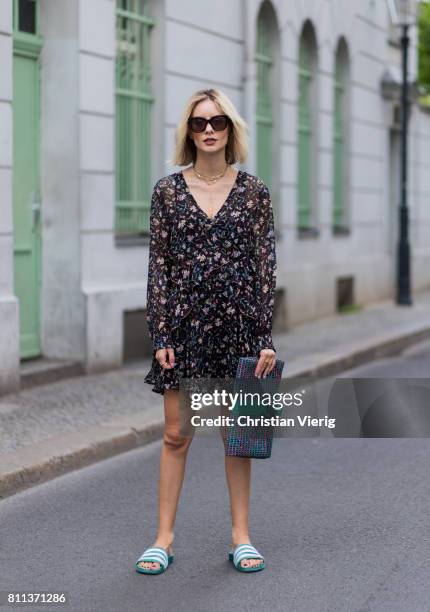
<point x="305" y="136"/>
<point x="264" y="61"/>
<point x="133" y="117"/>
<point x="338" y="145"/>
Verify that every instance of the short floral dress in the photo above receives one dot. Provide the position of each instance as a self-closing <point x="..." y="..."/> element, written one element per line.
<point x="211" y="281"/>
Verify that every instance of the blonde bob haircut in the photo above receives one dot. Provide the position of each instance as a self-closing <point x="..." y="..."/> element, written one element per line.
<point x="236" y="150"/>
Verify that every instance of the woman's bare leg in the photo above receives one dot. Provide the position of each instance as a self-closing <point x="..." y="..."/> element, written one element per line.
<point x="172" y="469"/>
<point x="238" y="472"/>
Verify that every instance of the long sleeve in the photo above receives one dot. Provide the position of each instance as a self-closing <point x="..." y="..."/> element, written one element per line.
<point x="265" y="254"/>
<point x="158" y="273"/>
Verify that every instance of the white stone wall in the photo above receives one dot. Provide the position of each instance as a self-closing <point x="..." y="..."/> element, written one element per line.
<point x="62" y="305"/>
<point x="113" y="278"/>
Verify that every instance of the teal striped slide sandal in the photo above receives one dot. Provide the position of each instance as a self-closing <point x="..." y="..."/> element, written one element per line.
<point x="246" y="551"/>
<point x="154" y="554"/>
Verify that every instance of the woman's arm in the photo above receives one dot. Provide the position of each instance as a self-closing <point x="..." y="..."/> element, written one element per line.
<point x="265" y="253"/>
<point x="158" y="273"/>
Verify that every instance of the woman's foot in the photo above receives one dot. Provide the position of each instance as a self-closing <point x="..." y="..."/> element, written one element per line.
<point x="154" y="565"/>
<point x="245" y="562"/>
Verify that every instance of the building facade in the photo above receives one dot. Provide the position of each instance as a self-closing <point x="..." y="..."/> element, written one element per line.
<point x="90" y="93"/>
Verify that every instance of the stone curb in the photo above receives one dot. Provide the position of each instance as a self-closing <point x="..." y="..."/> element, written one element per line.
<point x="45" y="460"/>
<point x="53" y="457"/>
<point x="357" y="353"/>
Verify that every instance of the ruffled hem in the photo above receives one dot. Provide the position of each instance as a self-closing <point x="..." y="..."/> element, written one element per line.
<point x="205" y="354"/>
<point x="160" y="384"/>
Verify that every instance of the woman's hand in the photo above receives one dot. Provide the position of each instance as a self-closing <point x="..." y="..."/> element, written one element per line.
<point x="266" y="363"/>
<point x="166" y="358"/>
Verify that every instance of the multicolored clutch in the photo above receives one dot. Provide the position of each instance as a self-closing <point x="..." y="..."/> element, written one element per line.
<point x="252" y="440"/>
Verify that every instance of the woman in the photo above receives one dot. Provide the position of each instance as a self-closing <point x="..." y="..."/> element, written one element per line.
<point x="211" y="282"/>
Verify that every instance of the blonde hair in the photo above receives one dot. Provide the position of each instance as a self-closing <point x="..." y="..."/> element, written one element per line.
<point x="236" y="149"/>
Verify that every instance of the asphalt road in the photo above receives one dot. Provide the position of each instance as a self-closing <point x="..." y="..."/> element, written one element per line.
<point x="343" y="524"/>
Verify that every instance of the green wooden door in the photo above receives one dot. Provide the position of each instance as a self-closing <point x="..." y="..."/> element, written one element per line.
<point x="26" y="175"/>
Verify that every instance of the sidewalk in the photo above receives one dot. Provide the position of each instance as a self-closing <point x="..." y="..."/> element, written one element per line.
<point x="54" y="428"/>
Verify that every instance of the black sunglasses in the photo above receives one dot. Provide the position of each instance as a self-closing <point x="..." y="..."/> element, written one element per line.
<point x="218" y="123"/>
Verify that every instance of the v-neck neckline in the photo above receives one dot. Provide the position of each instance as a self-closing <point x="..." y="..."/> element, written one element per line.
<point x="194" y="201"/>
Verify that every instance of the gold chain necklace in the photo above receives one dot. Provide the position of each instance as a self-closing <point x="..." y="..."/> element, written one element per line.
<point x="210" y="179"/>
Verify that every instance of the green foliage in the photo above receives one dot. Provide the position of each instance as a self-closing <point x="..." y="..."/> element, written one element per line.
<point x="424" y="46"/>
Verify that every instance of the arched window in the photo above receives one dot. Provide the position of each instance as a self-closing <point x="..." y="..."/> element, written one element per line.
<point x="341" y="138"/>
<point x="307" y="129"/>
<point x="265" y="60"/>
<point x="133" y="116"/>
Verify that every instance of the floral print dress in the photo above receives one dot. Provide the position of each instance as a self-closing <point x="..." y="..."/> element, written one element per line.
<point x="211" y="281"/>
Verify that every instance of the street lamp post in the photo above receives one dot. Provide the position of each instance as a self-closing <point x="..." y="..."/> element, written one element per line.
<point x="403" y="15"/>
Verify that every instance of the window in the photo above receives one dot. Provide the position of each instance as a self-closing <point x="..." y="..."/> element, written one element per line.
<point x="340" y="138"/>
<point x="307" y="129"/>
<point x="133" y="117"/>
<point x="25" y="16"/>
<point x="264" y="60"/>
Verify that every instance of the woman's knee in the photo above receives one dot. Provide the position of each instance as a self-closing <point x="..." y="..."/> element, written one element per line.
<point x="176" y="442"/>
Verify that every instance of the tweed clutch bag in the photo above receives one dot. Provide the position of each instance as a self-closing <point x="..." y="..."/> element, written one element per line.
<point x="253" y="440"/>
